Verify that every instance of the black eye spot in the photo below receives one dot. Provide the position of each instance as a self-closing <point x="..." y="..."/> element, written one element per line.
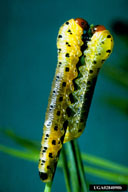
<point x="50" y="155"/>
<point x="59" y="36"/>
<point x="61" y="99"/>
<point x="58" y="113"/>
<point x="64" y="84"/>
<point x="69" y="31"/>
<point x="67" y="55"/>
<point x="108" y="51"/>
<point x="67" y="23"/>
<point x="67" y="69"/>
<point x="56" y="128"/>
<point x="109" y="36"/>
<point x="91" y="71"/>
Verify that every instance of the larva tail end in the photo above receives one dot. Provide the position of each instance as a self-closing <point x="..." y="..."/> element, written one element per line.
<point x="44" y="177"/>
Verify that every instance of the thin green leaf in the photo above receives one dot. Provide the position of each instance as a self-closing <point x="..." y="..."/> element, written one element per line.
<point x="80" y="165"/>
<point x="48" y="187"/>
<point x="26" y="143"/>
<point x="104" y="163"/>
<point x="20" y="154"/>
<point x="65" y="169"/>
<point x="110" y="176"/>
<point x="72" y="168"/>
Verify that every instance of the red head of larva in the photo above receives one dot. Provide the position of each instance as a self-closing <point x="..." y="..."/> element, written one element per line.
<point x="82" y="23"/>
<point x="98" y="28"/>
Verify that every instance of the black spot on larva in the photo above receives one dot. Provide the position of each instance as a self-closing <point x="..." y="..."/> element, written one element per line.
<point x="88" y="82"/>
<point x="65" y="124"/>
<point x="45" y="138"/>
<point x="67" y="55"/>
<point x="67" y="23"/>
<point x="56" y="128"/>
<point x="69" y="112"/>
<point x="64" y="84"/>
<point x="54" y="91"/>
<point x="59" y="142"/>
<point x="45" y="148"/>
<point x="91" y="71"/>
<point x="66" y="43"/>
<point x="69" y="45"/>
<point x="80" y="130"/>
<point x="94" y="62"/>
<point x="43" y="176"/>
<point x="108" y="51"/>
<point x="60" y="63"/>
<point x="47" y="135"/>
<point x="54" y="142"/>
<point x="102" y="42"/>
<point x="99" y="53"/>
<point x="48" y="167"/>
<point x="109" y="36"/>
<point x="50" y="155"/>
<point x="59" y="50"/>
<point x="71" y="98"/>
<point x="59" y="36"/>
<point x="43" y="151"/>
<point x="61" y="99"/>
<point x="57" y="77"/>
<point x="67" y="69"/>
<point x="69" y="31"/>
<point x="62" y="138"/>
<point x="82" y="120"/>
<point x="103" y="60"/>
<point x="43" y="161"/>
<point x="58" y="113"/>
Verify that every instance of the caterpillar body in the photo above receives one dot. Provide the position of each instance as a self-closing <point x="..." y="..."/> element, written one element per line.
<point x="56" y="121"/>
<point x="72" y="88"/>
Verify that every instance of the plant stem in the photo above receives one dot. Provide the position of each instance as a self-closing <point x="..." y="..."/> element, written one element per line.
<point x="80" y="165"/>
<point x="48" y="187"/>
<point x="73" y="168"/>
<point x="65" y="169"/>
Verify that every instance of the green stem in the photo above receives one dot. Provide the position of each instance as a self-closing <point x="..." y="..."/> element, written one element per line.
<point x="65" y="169"/>
<point x="73" y="168"/>
<point x="48" y="187"/>
<point x="80" y="165"/>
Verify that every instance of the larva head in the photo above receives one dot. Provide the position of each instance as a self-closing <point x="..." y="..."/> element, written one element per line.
<point x="102" y="41"/>
<point x="82" y="23"/>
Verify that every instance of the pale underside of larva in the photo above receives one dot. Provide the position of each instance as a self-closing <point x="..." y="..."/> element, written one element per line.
<point x="56" y="119"/>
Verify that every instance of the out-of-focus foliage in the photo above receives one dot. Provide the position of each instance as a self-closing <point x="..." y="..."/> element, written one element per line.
<point x="97" y="167"/>
<point x="119" y="72"/>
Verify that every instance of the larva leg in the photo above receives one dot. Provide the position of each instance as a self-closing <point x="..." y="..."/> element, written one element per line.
<point x="56" y="120"/>
<point x="98" y="50"/>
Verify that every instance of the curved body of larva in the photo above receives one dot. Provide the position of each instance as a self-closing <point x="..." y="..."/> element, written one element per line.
<point x="68" y="43"/>
<point x="98" y="50"/>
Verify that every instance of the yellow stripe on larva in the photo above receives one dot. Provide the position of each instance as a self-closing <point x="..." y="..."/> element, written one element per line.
<point x="55" y="125"/>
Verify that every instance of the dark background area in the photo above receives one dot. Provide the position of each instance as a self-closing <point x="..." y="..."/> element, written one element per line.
<point x="28" y="57"/>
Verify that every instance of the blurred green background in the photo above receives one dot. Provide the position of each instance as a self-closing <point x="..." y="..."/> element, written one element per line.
<point x="27" y="65"/>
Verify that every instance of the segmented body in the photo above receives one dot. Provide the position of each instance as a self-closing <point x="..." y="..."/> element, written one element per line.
<point x="98" y="50"/>
<point x="72" y="89"/>
<point x="68" y="43"/>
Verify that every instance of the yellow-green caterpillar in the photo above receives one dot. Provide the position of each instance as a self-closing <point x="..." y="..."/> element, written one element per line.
<point x="72" y="88"/>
